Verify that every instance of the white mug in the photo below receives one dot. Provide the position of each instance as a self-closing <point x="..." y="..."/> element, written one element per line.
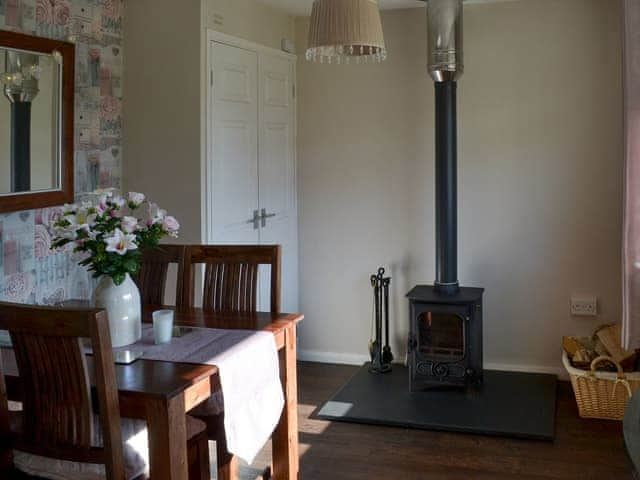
<point x="162" y="326"/>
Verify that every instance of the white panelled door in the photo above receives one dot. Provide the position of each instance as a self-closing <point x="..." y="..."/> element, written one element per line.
<point x="252" y="165"/>
<point x="277" y="169"/>
<point x="233" y="174"/>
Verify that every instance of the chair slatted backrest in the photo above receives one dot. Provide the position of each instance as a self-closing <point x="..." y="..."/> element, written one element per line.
<point x="231" y="276"/>
<point x="57" y="416"/>
<point x="152" y="276"/>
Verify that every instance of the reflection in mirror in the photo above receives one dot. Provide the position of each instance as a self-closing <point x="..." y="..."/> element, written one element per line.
<point x="30" y="154"/>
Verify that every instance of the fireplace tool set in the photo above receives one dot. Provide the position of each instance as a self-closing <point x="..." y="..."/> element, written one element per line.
<point x="381" y="357"/>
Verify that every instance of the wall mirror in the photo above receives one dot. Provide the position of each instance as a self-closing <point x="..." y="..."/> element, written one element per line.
<point x="36" y="122"/>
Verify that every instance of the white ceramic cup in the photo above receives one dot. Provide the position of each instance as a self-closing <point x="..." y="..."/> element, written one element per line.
<point x="162" y="326"/>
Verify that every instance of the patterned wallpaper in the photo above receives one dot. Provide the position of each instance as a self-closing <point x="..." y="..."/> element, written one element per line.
<point x="29" y="270"/>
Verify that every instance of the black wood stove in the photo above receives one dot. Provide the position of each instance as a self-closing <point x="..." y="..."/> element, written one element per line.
<point x="445" y="340"/>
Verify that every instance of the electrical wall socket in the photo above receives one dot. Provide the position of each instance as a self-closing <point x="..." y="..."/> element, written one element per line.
<point x="584" y="306"/>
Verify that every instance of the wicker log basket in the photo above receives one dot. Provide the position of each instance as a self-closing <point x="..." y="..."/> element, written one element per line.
<point x="602" y="395"/>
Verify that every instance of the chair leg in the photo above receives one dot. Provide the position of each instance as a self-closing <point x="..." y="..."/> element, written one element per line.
<point x="199" y="465"/>
<point x="227" y="462"/>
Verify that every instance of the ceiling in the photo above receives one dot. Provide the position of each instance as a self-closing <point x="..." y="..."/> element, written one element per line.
<point x="303" y="7"/>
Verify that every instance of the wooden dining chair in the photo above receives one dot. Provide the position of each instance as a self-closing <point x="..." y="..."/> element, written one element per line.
<point x="59" y="433"/>
<point x="230" y="285"/>
<point x="151" y="279"/>
<point x="231" y="276"/>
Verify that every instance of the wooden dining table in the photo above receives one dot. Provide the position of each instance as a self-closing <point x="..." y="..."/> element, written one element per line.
<point x="161" y="393"/>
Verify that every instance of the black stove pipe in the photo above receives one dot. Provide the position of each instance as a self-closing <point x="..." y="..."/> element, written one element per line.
<point x="20" y="92"/>
<point x="445" y="64"/>
<point x="20" y="147"/>
<point x="446" y="189"/>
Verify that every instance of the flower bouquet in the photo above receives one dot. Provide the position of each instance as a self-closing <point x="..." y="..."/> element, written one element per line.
<point x="111" y="231"/>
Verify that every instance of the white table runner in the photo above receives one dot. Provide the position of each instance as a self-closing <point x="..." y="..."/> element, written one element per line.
<point x="249" y="376"/>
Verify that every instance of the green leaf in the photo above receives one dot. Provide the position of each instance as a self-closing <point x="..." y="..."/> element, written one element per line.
<point x="118" y="278"/>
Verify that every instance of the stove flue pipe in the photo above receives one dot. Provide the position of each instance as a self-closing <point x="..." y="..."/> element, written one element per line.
<point x="445" y="65"/>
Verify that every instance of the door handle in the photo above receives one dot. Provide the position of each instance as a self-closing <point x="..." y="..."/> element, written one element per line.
<point x="264" y="216"/>
<point x="255" y="220"/>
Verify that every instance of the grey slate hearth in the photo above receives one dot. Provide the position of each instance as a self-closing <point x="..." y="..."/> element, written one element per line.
<point x="510" y="404"/>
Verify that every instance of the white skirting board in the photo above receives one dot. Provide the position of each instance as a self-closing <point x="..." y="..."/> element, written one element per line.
<point x="316" y="356"/>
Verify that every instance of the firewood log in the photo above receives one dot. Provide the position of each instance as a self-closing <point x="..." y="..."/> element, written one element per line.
<point x="611" y="338"/>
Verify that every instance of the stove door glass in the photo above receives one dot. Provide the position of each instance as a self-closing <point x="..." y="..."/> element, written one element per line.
<point x="441" y="336"/>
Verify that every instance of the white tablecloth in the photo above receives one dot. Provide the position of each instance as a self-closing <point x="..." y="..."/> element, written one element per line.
<point x="249" y="376"/>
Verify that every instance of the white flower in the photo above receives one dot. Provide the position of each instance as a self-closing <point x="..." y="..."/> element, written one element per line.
<point x="156" y="213"/>
<point x="129" y="224"/>
<point x="81" y="220"/>
<point x="118" y="201"/>
<point x="68" y="208"/>
<point x="66" y="233"/>
<point x="136" y="198"/>
<point x="103" y="192"/>
<point x="121" y="242"/>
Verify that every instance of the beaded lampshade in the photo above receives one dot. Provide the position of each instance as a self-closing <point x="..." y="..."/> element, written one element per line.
<point x="344" y="31"/>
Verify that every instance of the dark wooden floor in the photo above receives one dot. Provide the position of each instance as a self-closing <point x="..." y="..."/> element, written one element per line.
<point x="583" y="450"/>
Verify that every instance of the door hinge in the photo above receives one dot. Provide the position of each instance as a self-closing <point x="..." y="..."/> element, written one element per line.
<point x="211" y="77"/>
<point x="294" y="91"/>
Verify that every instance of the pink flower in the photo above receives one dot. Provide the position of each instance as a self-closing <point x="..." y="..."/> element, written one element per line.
<point x="170" y="224"/>
<point x="102" y="206"/>
<point x="129" y="224"/>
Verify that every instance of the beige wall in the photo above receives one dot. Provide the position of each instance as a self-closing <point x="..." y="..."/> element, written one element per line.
<point x="540" y="168"/>
<point x="161" y="141"/>
<point x="249" y="20"/>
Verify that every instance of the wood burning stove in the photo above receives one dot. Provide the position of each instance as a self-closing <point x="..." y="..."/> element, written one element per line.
<point x="445" y="338"/>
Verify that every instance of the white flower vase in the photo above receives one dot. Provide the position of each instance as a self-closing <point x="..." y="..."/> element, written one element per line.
<point x="122" y="303"/>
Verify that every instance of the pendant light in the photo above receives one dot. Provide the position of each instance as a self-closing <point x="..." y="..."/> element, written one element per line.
<point x="344" y="31"/>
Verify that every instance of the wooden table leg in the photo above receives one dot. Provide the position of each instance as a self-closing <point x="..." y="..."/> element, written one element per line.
<point x="285" y="437"/>
<point x="166" y="423"/>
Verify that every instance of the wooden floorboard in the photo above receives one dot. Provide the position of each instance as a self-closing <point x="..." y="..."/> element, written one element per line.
<point x="583" y="449"/>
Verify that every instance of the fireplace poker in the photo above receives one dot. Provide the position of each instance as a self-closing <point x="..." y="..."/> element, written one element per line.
<point x="387" y="355"/>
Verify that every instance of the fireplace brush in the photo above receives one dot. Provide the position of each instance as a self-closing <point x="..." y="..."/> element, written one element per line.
<point x="381" y="357"/>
